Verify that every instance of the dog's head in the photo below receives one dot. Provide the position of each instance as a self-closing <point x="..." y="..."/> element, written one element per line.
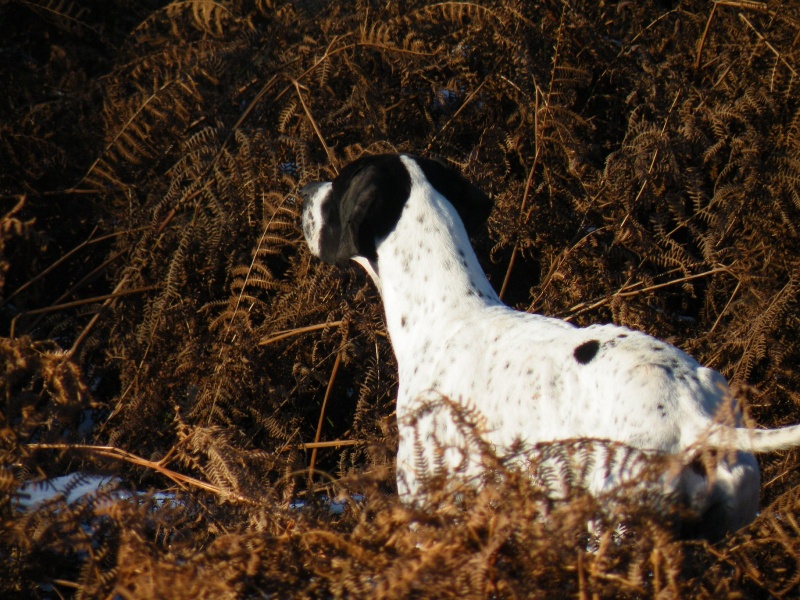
<point x="349" y="217"/>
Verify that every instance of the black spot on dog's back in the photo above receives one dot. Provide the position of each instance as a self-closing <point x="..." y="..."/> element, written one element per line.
<point x="586" y="351"/>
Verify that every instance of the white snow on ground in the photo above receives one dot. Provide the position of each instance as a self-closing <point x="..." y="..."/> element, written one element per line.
<point x="31" y="495"/>
<point x="34" y="494"/>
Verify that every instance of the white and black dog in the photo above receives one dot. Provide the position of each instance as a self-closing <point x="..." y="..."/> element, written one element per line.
<point x="532" y="378"/>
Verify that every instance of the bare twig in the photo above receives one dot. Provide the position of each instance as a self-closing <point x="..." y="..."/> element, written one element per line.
<point x="130" y="458"/>
<point x="313" y="121"/>
<point x="746" y="4"/>
<point x="323" y="445"/>
<point x="727" y="304"/>
<point x="106" y="298"/>
<point x="317" y="435"/>
<point x="92" y="300"/>
<point x="703" y="38"/>
<point x="627" y="291"/>
<point x="282" y="335"/>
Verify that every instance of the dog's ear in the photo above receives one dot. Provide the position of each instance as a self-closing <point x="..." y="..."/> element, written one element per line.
<point x="369" y="195"/>
<point x="471" y="203"/>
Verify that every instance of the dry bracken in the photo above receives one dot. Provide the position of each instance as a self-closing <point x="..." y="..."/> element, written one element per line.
<point x="163" y="323"/>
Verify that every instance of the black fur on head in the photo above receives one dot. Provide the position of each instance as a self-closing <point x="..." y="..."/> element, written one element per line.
<point x="367" y="198"/>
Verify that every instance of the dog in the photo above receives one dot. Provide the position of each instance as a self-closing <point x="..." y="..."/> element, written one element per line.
<point x="406" y="220"/>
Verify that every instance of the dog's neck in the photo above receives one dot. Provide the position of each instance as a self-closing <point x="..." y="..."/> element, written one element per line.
<point x="427" y="273"/>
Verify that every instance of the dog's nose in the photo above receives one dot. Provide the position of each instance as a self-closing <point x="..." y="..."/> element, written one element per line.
<point x="308" y="190"/>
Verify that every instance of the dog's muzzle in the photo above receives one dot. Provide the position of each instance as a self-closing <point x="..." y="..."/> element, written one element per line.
<point x="311" y="215"/>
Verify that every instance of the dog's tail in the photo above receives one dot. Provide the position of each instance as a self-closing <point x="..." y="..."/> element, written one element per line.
<point x="757" y="441"/>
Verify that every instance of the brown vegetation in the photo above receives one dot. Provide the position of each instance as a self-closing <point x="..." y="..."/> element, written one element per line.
<point x="164" y="322"/>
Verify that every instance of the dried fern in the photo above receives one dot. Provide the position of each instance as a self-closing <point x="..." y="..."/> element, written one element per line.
<point x="642" y="161"/>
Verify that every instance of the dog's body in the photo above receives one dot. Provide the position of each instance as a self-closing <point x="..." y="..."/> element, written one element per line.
<point x="531" y="378"/>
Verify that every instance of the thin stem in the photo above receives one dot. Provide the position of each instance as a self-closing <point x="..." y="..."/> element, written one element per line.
<point x="67" y="256"/>
<point x="703" y="39"/>
<point x="627" y="291"/>
<point x="282" y="335"/>
<point x="92" y="300"/>
<point x="317" y="435"/>
<point x="130" y="458"/>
